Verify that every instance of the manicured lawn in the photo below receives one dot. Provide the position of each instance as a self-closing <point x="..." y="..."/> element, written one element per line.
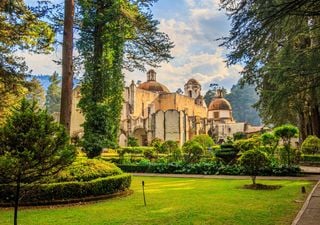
<point x="178" y="201"/>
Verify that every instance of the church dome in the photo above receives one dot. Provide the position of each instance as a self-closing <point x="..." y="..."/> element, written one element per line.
<point x="153" y="86"/>
<point x="219" y="104"/>
<point x="192" y="82"/>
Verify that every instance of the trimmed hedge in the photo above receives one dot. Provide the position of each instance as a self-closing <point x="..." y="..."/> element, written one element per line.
<point x="208" y="169"/>
<point x="84" y="169"/>
<point x="310" y="159"/>
<point x="67" y="190"/>
<point x="134" y="150"/>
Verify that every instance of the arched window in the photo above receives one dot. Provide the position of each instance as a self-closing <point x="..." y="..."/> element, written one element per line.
<point x="190" y="93"/>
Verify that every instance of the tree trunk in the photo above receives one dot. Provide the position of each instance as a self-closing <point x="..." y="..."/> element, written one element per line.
<point x="16" y="200"/>
<point x="67" y="65"/>
<point x="253" y="180"/>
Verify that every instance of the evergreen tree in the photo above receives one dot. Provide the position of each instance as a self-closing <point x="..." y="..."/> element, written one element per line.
<point x="32" y="146"/>
<point x="278" y="43"/>
<point x="53" y="98"/>
<point x="36" y="92"/>
<point x="20" y="29"/>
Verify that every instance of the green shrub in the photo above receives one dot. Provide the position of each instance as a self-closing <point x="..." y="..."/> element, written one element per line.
<point x="289" y="156"/>
<point x="156" y="143"/>
<point x="68" y="190"/>
<point x="133" y="150"/>
<point x="204" y="140"/>
<point x="209" y="168"/>
<point x="87" y="169"/>
<point x="149" y="154"/>
<point x="310" y="158"/>
<point x="252" y="161"/>
<point x="244" y="145"/>
<point x="239" y="135"/>
<point x="193" y="151"/>
<point x="311" y="145"/>
<point x="132" y="141"/>
<point x="227" y="153"/>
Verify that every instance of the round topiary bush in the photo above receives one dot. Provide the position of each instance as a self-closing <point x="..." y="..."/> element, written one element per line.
<point x="87" y="169"/>
<point x="85" y="179"/>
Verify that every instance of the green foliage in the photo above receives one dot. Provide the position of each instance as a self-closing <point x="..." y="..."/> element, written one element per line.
<point x="244" y="145"/>
<point x="289" y="156"/>
<point x="113" y="34"/>
<point x="270" y="142"/>
<point x="193" y="151"/>
<point x="227" y="152"/>
<point x="169" y="146"/>
<point x="149" y="154"/>
<point x="204" y="140"/>
<point x="87" y="169"/>
<point x="208" y="168"/>
<point x="53" y="97"/>
<point x="286" y="132"/>
<point x="252" y="161"/>
<point x="280" y="55"/>
<point x="311" y="145"/>
<point x="239" y="136"/>
<point x="36" y="92"/>
<point x="20" y="29"/>
<point x="173" y="149"/>
<point x="310" y="159"/>
<point x="156" y="143"/>
<point x="49" y="193"/>
<point x="132" y="141"/>
<point x="34" y="144"/>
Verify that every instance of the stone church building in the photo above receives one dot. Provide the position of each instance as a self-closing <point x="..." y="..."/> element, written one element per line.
<point x="151" y="111"/>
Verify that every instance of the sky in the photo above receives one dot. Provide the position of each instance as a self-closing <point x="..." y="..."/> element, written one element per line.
<point x="193" y="26"/>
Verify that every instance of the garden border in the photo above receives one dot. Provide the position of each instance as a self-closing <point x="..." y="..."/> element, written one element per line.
<point x="72" y="201"/>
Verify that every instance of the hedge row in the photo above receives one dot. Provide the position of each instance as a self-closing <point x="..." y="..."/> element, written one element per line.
<point x="67" y="190"/>
<point x="208" y="169"/>
<point x="310" y="158"/>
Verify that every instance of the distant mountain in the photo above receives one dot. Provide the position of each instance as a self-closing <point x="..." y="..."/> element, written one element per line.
<point x="45" y="80"/>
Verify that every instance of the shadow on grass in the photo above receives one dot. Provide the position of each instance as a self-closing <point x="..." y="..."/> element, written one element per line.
<point x="261" y="187"/>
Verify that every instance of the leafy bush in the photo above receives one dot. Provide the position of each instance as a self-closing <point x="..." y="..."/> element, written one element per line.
<point x="132" y="141"/>
<point x="87" y="169"/>
<point x="227" y="153"/>
<point x="244" y="145"/>
<point x="133" y="150"/>
<point x="149" y="154"/>
<point x="204" y="140"/>
<point x="289" y="156"/>
<point x="193" y="151"/>
<point x="311" y="145"/>
<point x="172" y="148"/>
<point x="68" y="190"/>
<point x="252" y="161"/>
<point x="156" y="143"/>
<point x="238" y="136"/>
<point x="310" y="158"/>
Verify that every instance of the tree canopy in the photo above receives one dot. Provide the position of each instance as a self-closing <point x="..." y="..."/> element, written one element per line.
<point x="278" y="43"/>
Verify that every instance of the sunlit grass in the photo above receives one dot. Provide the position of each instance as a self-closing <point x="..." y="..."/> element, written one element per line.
<point x="178" y="201"/>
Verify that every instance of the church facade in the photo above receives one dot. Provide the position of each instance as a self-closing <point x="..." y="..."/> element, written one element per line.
<point x="151" y="111"/>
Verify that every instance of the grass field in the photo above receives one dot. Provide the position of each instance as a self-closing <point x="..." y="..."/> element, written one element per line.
<point x="178" y="201"/>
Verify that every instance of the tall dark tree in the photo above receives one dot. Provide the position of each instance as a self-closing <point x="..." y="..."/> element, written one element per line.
<point x="115" y="34"/>
<point x="278" y="42"/>
<point x="67" y="65"/>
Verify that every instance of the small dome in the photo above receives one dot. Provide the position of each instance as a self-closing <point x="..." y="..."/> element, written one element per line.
<point x="219" y="103"/>
<point x="153" y="86"/>
<point x="192" y="82"/>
